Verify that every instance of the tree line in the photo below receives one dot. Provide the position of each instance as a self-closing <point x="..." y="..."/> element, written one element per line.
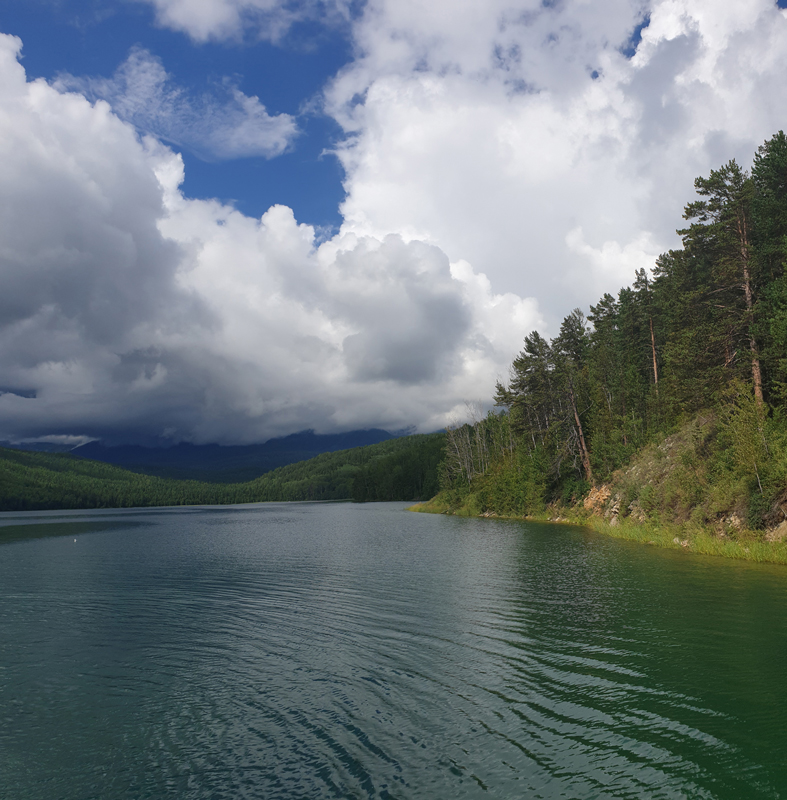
<point x="705" y="331"/>
<point x="404" y="468"/>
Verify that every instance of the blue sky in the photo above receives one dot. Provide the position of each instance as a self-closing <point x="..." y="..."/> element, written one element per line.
<point x="226" y="220"/>
<point x="94" y="37"/>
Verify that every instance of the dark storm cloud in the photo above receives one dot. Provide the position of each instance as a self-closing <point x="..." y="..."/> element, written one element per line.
<point x="411" y="315"/>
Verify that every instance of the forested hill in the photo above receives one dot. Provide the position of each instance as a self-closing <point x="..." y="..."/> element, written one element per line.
<point x="215" y="463"/>
<point x="398" y="469"/>
<point x="704" y="335"/>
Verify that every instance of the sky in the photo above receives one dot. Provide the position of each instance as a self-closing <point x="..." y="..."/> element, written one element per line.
<point x="227" y="220"/>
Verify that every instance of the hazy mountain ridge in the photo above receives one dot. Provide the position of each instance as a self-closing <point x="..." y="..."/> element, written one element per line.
<point x="227" y="463"/>
<point x="37" y="447"/>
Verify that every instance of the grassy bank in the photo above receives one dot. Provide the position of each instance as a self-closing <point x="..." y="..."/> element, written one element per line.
<point x="745" y="544"/>
<point x="692" y="490"/>
<point x="688" y="537"/>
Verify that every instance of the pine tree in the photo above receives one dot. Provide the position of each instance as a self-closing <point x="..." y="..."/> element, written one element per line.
<point x="724" y="225"/>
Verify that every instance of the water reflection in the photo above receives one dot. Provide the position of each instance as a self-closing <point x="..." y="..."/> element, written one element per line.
<point x="39" y="530"/>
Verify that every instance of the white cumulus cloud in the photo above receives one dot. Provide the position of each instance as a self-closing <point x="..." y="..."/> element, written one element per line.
<point x="131" y="311"/>
<point x="496" y="130"/>
<point x="505" y="162"/>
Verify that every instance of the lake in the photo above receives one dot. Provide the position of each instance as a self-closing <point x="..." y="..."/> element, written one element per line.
<point x="298" y="650"/>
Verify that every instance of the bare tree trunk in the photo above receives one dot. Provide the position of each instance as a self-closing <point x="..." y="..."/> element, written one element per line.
<point x="625" y="438"/>
<point x="583" y="450"/>
<point x="467" y="448"/>
<point x="653" y="350"/>
<point x="756" y="372"/>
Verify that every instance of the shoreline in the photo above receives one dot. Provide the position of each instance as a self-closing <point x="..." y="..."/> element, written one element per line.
<point x="744" y="544"/>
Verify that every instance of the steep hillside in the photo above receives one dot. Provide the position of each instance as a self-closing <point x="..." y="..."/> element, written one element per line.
<point x="698" y="476"/>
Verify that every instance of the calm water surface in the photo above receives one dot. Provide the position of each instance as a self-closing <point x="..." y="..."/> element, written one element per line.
<point x="336" y="650"/>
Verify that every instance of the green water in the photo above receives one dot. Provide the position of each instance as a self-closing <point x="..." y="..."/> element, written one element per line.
<point x="336" y="650"/>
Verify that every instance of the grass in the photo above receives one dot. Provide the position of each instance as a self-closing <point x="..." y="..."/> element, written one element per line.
<point x="689" y="492"/>
<point x="689" y="537"/>
<point x="744" y="544"/>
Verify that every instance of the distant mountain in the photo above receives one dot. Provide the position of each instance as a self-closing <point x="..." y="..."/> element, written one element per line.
<point x="401" y="468"/>
<point x="38" y="447"/>
<point x="227" y="463"/>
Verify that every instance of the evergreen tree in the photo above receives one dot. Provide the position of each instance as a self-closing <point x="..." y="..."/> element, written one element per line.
<point x="571" y="350"/>
<point x="769" y="206"/>
<point x="769" y="212"/>
<point x="723" y="225"/>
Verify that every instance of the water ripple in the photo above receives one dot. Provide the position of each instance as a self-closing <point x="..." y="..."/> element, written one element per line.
<point x="327" y="650"/>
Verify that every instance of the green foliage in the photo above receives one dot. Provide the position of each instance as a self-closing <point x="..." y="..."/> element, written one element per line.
<point x="682" y="377"/>
<point x="397" y="469"/>
<point x="744" y="424"/>
<point x="769" y="206"/>
<point x="470" y="450"/>
<point x="485" y="473"/>
<point x="704" y="472"/>
<point x="404" y="473"/>
<point x="513" y="488"/>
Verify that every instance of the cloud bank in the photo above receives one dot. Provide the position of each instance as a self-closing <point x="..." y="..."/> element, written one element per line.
<point x="132" y="312"/>
<point x="552" y="145"/>
<point x="494" y="154"/>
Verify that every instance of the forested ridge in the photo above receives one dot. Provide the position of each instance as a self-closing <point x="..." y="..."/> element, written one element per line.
<point x="696" y="351"/>
<point x="213" y="463"/>
<point x="405" y="468"/>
